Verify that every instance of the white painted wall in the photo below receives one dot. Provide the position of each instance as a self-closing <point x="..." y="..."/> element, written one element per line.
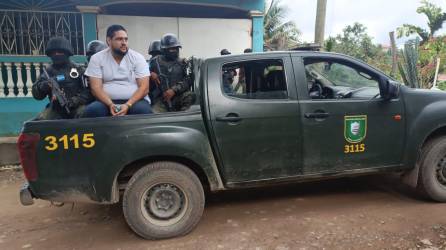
<point x="201" y="37"/>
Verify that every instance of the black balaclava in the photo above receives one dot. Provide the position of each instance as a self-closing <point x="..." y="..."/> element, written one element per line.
<point x="172" y="55"/>
<point x="60" y="60"/>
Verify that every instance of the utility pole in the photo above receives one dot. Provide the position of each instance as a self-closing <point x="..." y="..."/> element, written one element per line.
<point x="394" y="54"/>
<point x="320" y="22"/>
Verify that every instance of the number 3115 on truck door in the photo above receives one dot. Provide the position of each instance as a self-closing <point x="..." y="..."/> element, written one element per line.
<point x="66" y="142"/>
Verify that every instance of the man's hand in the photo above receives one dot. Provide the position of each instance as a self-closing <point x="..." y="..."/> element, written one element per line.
<point x="112" y="109"/>
<point x="45" y="87"/>
<point x="169" y="94"/>
<point x="155" y="78"/>
<point x="74" y="102"/>
<point x="124" y="110"/>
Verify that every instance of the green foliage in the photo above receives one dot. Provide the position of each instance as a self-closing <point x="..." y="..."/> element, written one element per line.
<point x="429" y="52"/>
<point x="279" y="35"/>
<point x="408" y="30"/>
<point x="422" y="65"/>
<point x="330" y="44"/>
<point x="417" y="62"/>
<point x="355" y="41"/>
<point x="435" y="16"/>
<point x="408" y="64"/>
<point x="442" y="85"/>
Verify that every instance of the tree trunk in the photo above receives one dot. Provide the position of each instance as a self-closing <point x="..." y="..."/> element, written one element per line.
<point x="320" y="22"/>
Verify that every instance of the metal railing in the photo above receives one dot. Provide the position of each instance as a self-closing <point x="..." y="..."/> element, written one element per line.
<point x="27" y="32"/>
<point x="17" y="78"/>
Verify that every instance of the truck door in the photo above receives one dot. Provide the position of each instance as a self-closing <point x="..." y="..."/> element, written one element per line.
<point x="255" y="117"/>
<point x="346" y="124"/>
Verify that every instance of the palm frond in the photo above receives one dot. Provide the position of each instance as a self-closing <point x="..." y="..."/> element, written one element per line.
<point x="279" y="34"/>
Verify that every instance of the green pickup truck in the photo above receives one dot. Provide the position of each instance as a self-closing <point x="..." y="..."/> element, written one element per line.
<point x="259" y="119"/>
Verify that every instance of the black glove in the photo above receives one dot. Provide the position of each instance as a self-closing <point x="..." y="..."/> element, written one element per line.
<point x="74" y="102"/>
<point x="44" y="87"/>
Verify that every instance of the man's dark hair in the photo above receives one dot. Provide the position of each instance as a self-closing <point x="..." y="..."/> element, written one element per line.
<point x="113" y="28"/>
<point x="248" y="50"/>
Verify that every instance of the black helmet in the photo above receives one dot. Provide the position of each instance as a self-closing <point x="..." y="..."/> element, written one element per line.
<point x="94" y="47"/>
<point x="224" y="52"/>
<point x="155" y="47"/>
<point x="170" y="41"/>
<point x="59" y="43"/>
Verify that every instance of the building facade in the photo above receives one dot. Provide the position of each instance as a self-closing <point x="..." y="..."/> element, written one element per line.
<point x="203" y="26"/>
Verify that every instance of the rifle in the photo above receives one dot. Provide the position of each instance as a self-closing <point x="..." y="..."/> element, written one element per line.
<point x="57" y="92"/>
<point x="164" y="83"/>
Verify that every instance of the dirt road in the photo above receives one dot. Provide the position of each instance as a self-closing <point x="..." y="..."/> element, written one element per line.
<point x="364" y="213"/>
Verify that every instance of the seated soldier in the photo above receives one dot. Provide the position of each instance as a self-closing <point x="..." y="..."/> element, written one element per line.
<point x="68" y="99"/>
<point x="94" y="47"/>
<point x="154" y="49"/>
<point x="118" y="78"/>
<point x="169" y="75"/>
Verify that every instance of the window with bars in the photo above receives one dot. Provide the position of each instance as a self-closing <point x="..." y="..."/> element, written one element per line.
<point x="28" y="32"/>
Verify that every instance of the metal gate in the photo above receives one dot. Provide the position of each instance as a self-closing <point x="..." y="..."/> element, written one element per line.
<point x="27" y="32"/>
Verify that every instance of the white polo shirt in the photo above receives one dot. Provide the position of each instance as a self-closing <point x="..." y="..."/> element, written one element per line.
<point x="119" y="80"/>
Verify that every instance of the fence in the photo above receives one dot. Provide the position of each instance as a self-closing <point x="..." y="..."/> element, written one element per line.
<point x="27" y="32"/>
<point x="17" y="78"/>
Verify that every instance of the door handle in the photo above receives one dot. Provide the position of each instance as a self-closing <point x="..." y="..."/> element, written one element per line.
<point x="231" y="117"/>
<point x="318" y="115"/>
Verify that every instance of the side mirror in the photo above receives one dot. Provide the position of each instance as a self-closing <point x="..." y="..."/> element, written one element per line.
<point x="390" y="90"/>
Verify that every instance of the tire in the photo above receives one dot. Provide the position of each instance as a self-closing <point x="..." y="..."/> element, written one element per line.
<point x="163" y="200"/>
<point x="432" y="173"/>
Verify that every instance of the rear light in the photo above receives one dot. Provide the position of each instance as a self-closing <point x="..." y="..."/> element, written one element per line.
<point x="27" y="145"/>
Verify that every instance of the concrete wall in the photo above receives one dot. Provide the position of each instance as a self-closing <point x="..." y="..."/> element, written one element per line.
<point x="201" y="37"/>
<point x="14" y="111"/>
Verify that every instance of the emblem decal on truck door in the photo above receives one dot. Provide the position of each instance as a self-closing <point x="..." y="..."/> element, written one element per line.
<point x="355" y="131"/>
<point x="355" y="128"/>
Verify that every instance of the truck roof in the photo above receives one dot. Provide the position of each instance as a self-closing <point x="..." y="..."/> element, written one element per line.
<point x="265" y="55"/>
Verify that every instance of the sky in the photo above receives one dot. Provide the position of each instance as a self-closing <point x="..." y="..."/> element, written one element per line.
<point x="379" y="16"/>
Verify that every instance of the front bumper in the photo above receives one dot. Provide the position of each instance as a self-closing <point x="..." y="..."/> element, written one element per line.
<point x="26" y="196"/>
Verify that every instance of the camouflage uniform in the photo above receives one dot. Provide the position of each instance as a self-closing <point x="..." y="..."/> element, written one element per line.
<point x="179" y="82"/>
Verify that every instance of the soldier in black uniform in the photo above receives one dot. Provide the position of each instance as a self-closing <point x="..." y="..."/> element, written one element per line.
<point x="69" y="77"/>
<point x="94" y="47"/>
<point x="177" y="95"/>
<point x="155" y="48"/>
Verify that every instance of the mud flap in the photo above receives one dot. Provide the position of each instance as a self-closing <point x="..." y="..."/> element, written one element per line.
<point x="411" y="177"/>
<point x="26" y="198"/>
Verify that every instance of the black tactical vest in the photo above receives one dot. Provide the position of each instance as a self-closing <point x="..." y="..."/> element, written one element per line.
<point x="174" y="70"/>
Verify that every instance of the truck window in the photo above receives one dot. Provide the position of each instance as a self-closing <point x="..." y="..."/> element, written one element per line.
<point x="259" y="79"/>
<point x="333" y="80"/>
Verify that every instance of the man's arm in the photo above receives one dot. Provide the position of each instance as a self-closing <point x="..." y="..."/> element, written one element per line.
<point x="95" y="76"/>
<point x="140" y="93"/>
<point x="98" y="91"/>
<point x="143" y="90"/>
<point x="142" y="73"/>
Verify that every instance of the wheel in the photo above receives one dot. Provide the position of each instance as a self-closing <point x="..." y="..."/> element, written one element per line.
<point x="432" y="173"/>
<point x="163" y="200"/>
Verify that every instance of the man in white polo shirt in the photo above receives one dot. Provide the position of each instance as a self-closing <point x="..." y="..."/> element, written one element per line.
<point x="119" y="78"/>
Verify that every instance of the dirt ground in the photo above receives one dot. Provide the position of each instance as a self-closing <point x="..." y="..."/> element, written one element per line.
<point x="360" y="213"/>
